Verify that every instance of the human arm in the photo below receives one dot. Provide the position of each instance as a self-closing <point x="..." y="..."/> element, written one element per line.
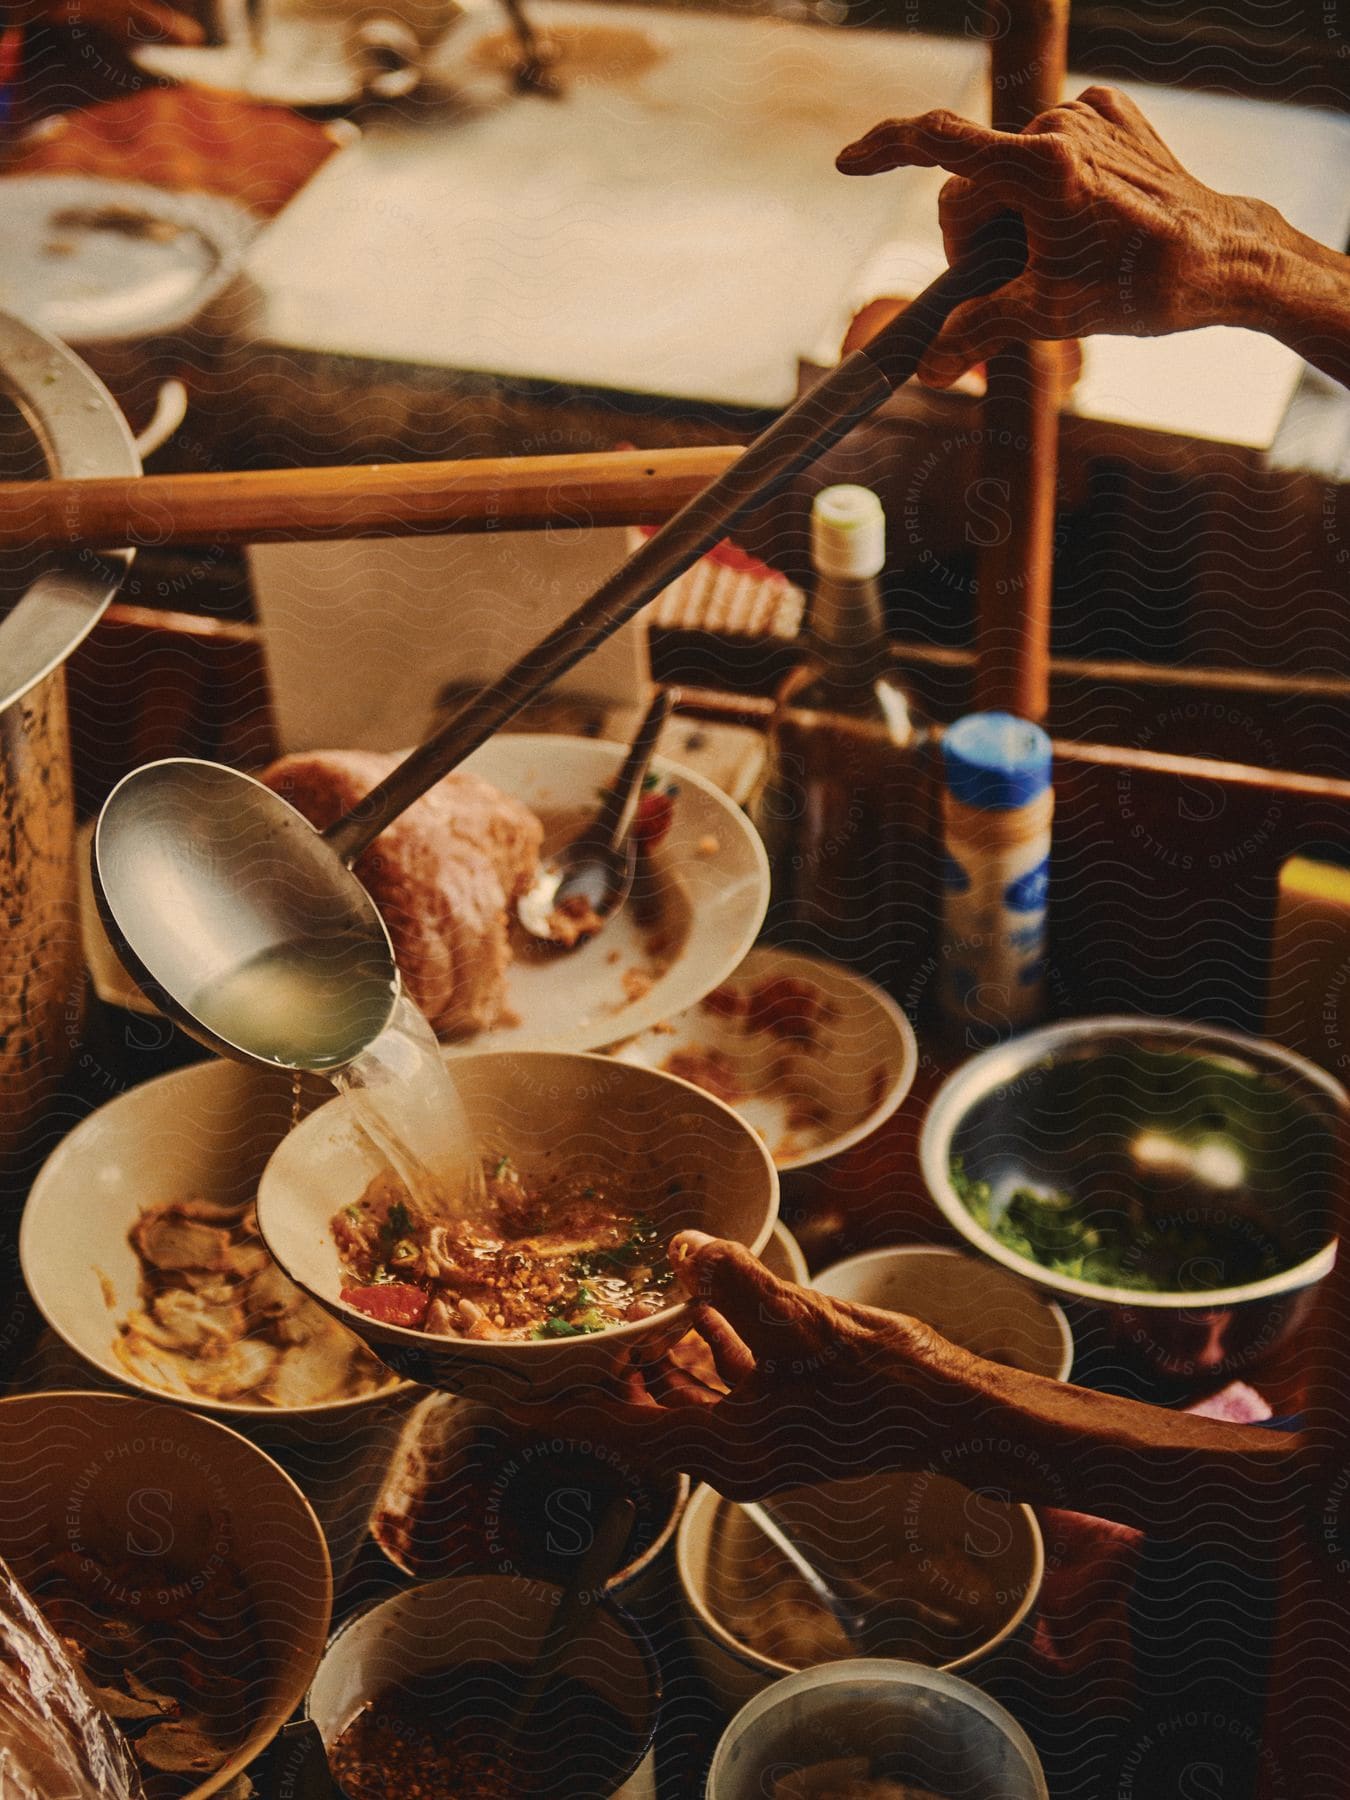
<point x="1121" y="238"/>
<point x="818" y="1389"/>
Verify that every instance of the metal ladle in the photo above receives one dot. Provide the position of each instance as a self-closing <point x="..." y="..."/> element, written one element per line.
<point x="214" y="889"/>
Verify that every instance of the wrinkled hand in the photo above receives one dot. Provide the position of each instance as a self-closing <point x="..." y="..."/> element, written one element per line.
<point x="811" y="1388"/>
<point x="1121" y="238"/>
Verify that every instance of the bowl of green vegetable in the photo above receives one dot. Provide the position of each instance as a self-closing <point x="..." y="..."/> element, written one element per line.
<point x="1172" y="1184"/>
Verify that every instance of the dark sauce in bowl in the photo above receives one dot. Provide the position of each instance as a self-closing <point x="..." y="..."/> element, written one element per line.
<point x="440" y="1737"/>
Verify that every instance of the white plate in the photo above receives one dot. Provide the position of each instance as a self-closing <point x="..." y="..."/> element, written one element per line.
<point x="852" y="1077"/>
<point x="95" y="260"/>
<point x="575" y="1000"/>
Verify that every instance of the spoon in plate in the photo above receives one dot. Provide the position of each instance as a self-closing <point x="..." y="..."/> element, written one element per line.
<point x="587" y="882"/>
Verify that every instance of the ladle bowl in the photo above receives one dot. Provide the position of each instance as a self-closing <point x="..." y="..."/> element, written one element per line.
<point x="239" y="919"/>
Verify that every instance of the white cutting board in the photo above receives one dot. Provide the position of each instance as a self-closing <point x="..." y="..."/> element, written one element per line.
<point x="681" y="232"/>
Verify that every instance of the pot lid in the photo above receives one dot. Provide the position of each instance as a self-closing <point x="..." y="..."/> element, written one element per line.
<point x="92" y="259"/>
<point x="56" y="418"/>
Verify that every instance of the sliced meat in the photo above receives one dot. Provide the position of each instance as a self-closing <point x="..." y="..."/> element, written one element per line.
<point x="272" y="1294"/>
<point x="310" y="1372"/>
<point x="241" y="1367"/>
<point x="180" y="1748"/>
<point x="182" y="1320"/>
<point x="444" y="876"/>
<point x="169" y="1240"/>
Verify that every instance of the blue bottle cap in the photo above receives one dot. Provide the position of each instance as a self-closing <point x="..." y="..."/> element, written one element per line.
<point x="996" y="761"/>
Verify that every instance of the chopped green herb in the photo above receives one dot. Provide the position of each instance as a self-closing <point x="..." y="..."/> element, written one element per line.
<point x="503" y="1164"/>
<point x="352" y="1212"/>
<point x="397" y="1222"/>
<point x="640" y="1246"/>
<point x="565" y="1328"/>
<point x="1115" y="1247"/>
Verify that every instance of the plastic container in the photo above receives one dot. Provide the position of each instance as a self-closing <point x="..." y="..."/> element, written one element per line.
<point x="997" y="808"/>
<point x="927" y="1727"/>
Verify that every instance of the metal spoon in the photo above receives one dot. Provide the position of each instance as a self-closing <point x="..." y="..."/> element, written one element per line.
<point x="212" y="887"/>
<point x="590" y="878"/>
<point x="585" y="1586"/>
<point x="876" y="1629"/>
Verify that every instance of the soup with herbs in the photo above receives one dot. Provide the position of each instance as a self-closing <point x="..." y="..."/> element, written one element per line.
<point x="553" y="1257"/>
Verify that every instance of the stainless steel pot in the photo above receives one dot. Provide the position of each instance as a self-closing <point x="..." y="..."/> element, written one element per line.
<point x="56" y="418"/>
<point x="1237" y="1140"/>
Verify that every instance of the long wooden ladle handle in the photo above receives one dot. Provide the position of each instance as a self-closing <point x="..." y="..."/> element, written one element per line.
<point x="617" y="487"/>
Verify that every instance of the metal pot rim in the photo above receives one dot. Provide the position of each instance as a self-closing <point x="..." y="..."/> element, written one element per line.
<point x="82" y="433"/>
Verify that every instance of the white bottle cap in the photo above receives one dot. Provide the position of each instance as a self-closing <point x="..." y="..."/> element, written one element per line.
<point x="848" y="533"/>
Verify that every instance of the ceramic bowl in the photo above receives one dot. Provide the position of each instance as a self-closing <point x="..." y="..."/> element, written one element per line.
<point x="975" y="1304"/>
<point x="203" y="1132"/>
<point x="114" y="1476"/>
<point x="488" y="1618"/>
<point x="465" y="1489"/>
<point x="681" y="1156"/>
<point x="912" y="1529"/>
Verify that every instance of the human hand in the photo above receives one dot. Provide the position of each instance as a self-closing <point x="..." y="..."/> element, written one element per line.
<point x="811" y="1389"/>
<point x="1121" y="239"/>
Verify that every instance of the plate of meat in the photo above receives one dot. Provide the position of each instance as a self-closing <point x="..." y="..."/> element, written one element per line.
<point x="448" y="873"/>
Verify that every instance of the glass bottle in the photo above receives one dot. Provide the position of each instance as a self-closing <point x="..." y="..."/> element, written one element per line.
<point x="837" y="802"/>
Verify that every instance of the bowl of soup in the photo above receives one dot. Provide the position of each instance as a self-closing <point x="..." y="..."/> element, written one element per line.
<point x="562" y="1268"/>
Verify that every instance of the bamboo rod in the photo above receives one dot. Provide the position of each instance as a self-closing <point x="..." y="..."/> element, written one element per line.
<point x="1028" y="50"/>
<point x="509" y="493"/>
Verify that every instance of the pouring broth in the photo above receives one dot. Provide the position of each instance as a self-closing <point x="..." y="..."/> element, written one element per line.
<point x="312" y="1003"/>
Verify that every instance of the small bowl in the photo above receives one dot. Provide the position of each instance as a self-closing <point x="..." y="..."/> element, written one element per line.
<point x="884" y="1520"/>
<point x="84" y="1470"/>
<point x="783" y="1256"/>
<point x="972" y="1303"/>
<point x="463" y="1483"/>
<point x="933" y="1730"/>
<point x="687" y="1161"/>
<point x="488" y="1619"/>
<point x="1242" y="1133"/>
<point x="809" y="1097"/>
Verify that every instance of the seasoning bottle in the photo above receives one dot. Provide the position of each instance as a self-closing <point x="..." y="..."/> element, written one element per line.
<point x="997" y="807"/>
<point x="836" y="805"/>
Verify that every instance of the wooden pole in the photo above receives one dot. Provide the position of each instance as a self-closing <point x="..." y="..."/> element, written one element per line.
<point x="506" y="493"/>
<point x="1028" y="49"/>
